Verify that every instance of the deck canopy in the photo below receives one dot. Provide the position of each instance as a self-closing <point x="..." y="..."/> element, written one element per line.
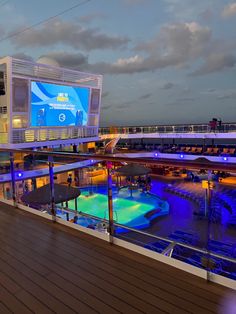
<point x="132" y="170"/>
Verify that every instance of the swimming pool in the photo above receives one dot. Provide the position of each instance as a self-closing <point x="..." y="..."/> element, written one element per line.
<point x="137" y="211"/>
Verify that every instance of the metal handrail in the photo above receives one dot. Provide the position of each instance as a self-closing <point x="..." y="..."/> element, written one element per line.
<point x="188" y="246"/>
<point x="112" y="158"/>
<point x="226" y="166"/>
<point x="177" y="128"/>
<point x="173" y="242"/>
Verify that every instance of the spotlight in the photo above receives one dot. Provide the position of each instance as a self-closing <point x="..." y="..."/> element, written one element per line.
<point x="19" y="174"/>
<point x="156" y="155"/>
<point x="181" y="156"/>
<point x="225" y="158"/>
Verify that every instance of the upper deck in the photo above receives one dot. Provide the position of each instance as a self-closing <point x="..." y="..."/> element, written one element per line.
<point x="47" y="105"/>
<point x="185" y="131"/>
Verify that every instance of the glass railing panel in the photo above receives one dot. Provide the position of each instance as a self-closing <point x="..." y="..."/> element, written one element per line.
<point x="90" y="208"/>
<point x="188" y="215"/>
<point x="5" y="185"/>
<point x="198" y="128"/>
<point x="33" y="187"/>
<point x="166" y="213"/>
<point x="222" y="223"/>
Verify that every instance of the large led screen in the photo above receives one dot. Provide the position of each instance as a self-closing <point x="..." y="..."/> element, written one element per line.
<point x="58" y="105"/>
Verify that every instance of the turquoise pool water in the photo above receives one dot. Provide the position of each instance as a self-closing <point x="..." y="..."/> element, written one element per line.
<point x="129" y="211"/>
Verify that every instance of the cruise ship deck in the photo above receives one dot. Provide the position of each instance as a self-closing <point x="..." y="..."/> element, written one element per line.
<point x="48" y="268"/>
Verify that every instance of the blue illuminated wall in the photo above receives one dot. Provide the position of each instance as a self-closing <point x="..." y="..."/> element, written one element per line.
<point x="58" y="105"/>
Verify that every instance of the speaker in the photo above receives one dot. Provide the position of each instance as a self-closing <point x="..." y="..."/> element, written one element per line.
<point x="79" y="118"/>
<point x="41" y="117"/>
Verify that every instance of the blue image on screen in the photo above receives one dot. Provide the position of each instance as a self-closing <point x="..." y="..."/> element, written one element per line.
<point x="58" y="105"/>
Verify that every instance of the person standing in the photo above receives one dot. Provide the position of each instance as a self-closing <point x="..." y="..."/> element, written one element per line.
<point x="69" y="180"/>
<point x="219" y="125"/>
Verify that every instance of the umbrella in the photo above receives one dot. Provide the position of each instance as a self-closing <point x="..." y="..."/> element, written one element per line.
<point x="42" y="195"/>
<point x="132" y="170"/>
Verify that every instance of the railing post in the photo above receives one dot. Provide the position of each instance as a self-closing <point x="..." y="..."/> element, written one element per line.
<point x="52" y="191"/>
<point x="110" y="204"/>
<point x="13" y="180"/>
<point x="76" y="206"/>
<point x="209" y="215"/>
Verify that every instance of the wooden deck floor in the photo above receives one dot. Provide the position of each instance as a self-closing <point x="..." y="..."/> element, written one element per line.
<point x="48" y="268"/>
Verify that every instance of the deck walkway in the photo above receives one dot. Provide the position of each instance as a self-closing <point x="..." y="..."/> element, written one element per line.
<point x="48" y="268"/>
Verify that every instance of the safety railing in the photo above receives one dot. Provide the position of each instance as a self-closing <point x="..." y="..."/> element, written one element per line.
<point x="185" y="128"/>
<point x="47" y="134"/>
<point x="169" y="218"/>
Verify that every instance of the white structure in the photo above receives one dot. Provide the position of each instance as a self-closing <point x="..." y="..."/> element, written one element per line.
<point x="45" y="105"/>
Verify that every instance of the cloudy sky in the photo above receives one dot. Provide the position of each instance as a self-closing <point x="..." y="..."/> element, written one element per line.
<point x="163" y="61"/>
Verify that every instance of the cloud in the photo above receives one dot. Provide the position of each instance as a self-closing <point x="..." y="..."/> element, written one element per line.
<point x="145" y="96"/>
<point x="207" y="15"/>
<point x="187" y="99"/>
<point x="216" y="63"/>
<point x="105" y="94"/>
<point x="118" y="107"/>
<point x="229" y="10"/>
<point x="106" y="107"/>
<point x="211" y="90"/>
<point x="128" y="61"/>
<point x="22" y="56"/>
<point x="221" y="93"/>
<point x="175" y="45"/>
<point x="230" y="94"/>
<point x="168" y="85"/>
<point x="91" y="17"/>
<point x="135" y="2"/>
<point x="179" y="42"/>
<point x="121" y="66"/>
<point x="2" y="31"/>
<point x="182" y="101"/>
<point x="177" y="103"/>
<point x="126" y="104"/>
<point x="69" y="60"/>
<point x="68" y="33"/>
<point x="187" y="9"/>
